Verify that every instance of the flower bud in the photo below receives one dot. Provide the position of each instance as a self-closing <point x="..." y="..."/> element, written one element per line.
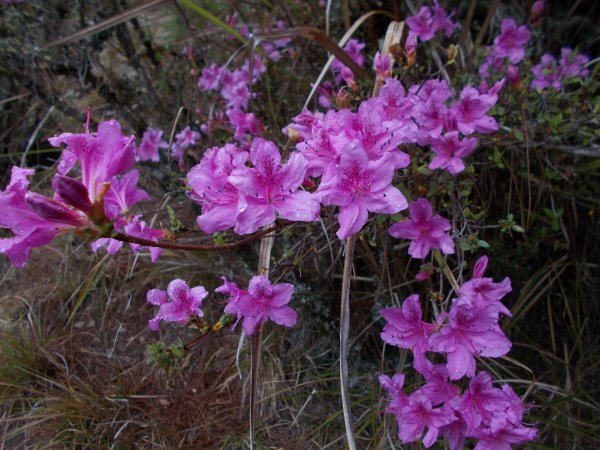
<point x="73" y="192"/>
<point x="52" y="210"/>
<point x="293" y="134"/>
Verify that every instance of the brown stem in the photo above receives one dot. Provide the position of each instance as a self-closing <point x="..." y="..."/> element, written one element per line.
<point x="195" y="247"/>
<point x="318" y="36"/>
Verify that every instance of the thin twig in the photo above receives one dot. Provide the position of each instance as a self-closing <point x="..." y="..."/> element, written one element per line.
<point x="344" y="331"/>
<point x="106" y="24"/>
<point x="195" y="247"/>
<point x="34" y="135"/>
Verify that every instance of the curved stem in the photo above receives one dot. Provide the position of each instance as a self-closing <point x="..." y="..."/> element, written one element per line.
<point x="344" y="331"/>
<point x="195" y="247"/>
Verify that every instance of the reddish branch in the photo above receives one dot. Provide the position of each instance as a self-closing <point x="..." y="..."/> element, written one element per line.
<point x="203" y="248"/>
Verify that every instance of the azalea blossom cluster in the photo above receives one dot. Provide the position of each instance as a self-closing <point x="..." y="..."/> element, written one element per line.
<point x="356" y="154"/>
<point x="234" y="85"/>
<point x="550" y="73"/>
<point x="467" y="330"/>
<point x="261" y="302"/>
<point x="233" y="194"/>
<point x="152" y="142"/>
<point x="101" y="198"/>
<point x="508" y="50"/>
<point x="150" y="145"/>
<point x="428" y="21"/>
<point x="347" y="158"/>
<point x="344" y="78"/>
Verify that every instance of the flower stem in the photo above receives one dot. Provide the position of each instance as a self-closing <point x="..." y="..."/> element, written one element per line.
<point x="446" y="270"/>
<point x="344" y="331"/>
<point x="264" y="262"/>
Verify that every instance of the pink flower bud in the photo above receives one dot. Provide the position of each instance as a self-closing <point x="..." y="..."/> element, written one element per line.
<point x="480" y="267"/>
<point x="512" y="73"/>
<point x="537" y="12"/>
<point x="73" y="192"/>
<point x="52" y="210"/>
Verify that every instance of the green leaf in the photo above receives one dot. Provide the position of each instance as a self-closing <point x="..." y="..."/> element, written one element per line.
<point x="554" y="122"/>
<point x="212" y="19"/>
<point x="518" y="228"/>
<point x="219" y="238"/>
<point x="482" y="243"/>
<point x="517" y="134"/>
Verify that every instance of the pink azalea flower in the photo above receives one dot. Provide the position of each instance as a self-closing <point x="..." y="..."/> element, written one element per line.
<point x="429" y="109"/>
<point x="421" y="24"/>
<point x="479" y="291"/>
<point x="101" y="156"/>
<point x="187" y="137"/>
<point x="396" y="398"/>
<point x="470" y="112"/>
<point x="357" y="186"/>
<point x="209" y="79"/>
<point x="503" y="438"/>
<point x="112" y="245"/>
<point x="419" y="414"/>
<point x="258" y="67"/>
<point x="480" y="401"/>
<point x="437" y="91"/>
<point x="395" y="102"/>
<point x="426" y="24"/>
<point x="21" y="215"/>
<point x="150" y="146"/>
<point x="235" y="294"/>
<point x="354" y="49"/>
<point x="455" y="432"/>
<point x="405" y="329"/>
<point x="466" y="332"/>
<point x="318" y="148"/>
<point x="235" y="89"/>
<point x="270" y="187"/>
<point x="546" y="74"/>
<point x="177" y="304"/>
<point x="449" y="151"/>
<point x="425" y="229"/>
<point x="244" y="123"/>
<point x="571" y="65"/>
<point x="133" y="227"/>
<point x="373" y="130"/>
<point x="123" y="194"/>
<point x="184" y="139"/>
<point x="265" y="301"/>
<point x="510" y="43"/>
<point x="492" y="61"/>
<point x="211" y="188"/>
<point x="304" y="123"/>
<point x="437" y="388"/>
<point x="441" y="20"/>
